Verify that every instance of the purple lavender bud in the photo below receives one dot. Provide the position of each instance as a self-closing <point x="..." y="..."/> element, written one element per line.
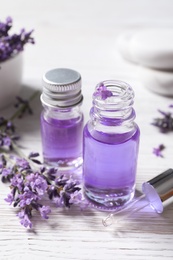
<point x="106" y="94"/>
<point x="7" y="141"/>
<point x="9" y="198"/>
<point x="158" y="151"/>
<point x="165" y="124"/>
<point x="37" y="183"/>
<point x="22" y="163"/>
<point x="52" y="192"/>
<point x="61" y="181"/>
<point x="10" y="126"/>
<point x="44" y="211"/>
<point x="27" y="197"/>
<point x="9" y="20"/>
<point x="75" y="198"/>
<point x="25" y="221"/>
<point x="65" y="196"/>
<point x="12" y="44"/>
<point x="4" y="27"/>
<point x="71" y="186"/>
<point x="102" y="91"/>
<point x="5" y="172"/>
<point x="3" y="160"/>
<point x="59" y="202"/>
<point x="17" y="181"/>
<point x="52" y="173"/>
<point x="33" y="155"/>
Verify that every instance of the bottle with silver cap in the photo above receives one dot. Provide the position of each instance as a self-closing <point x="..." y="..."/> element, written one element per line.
<point x="62" y="119"/>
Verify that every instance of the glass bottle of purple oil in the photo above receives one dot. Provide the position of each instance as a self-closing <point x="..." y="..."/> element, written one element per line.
<point x="110" y="147"/>
<point x="62" y="119"/>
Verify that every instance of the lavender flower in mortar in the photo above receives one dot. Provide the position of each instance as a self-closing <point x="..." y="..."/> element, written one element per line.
<point x="10" y="45"/>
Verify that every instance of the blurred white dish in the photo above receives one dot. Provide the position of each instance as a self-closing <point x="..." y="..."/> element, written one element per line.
<point x="10" y="79"/>
<point x="148" y="47"/>
<point x="160" y="82"/>
<point x="124" y="45"/>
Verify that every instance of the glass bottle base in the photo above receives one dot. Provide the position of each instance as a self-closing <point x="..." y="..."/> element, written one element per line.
<point x="64" y="165"/>
<point x="109" y="199"/>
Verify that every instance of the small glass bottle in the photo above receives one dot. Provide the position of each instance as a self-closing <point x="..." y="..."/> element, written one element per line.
<point x="62" y="119"/>
<point x="110" y="148"/>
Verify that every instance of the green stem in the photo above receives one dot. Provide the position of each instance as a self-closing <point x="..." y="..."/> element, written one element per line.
<point x="17" y="113"/>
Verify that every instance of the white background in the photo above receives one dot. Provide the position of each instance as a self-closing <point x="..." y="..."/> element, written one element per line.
<point x="82" y="35"/>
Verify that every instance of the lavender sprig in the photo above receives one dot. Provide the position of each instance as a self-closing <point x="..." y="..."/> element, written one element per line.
<point x="7" y="127"/>
<point x="30" y="187"/>
<point x="5" y="27"/>
<point x="12" y="44"/>
<point x="164" y="123"/>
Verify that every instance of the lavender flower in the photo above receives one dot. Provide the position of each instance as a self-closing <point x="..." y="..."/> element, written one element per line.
<point x="27" y="197"/>
<point x="44" y="211"/>
<point x="9" y="198"/>
<point x="3" y="161"/>
<point x="164" y="123"/>
<point x="102" y="91"/>
<point x="22" y="164"/>
<point x="75" y="198"/>
<point x="53" y="193"/>
<point x="5" y="172"/>
<point x="158" y="151"/>
<point x="5" y="27"/>
<point x="7" y="136"/>
<point x="7" y="125"/>
<point x="18" y="182"/>
<point x="12" y="44"/>
<point x="62" y="190"/>
<point x="37" y="183"/>
<point x="30" y="187"/>
<point x="24" y="219"/>
<point x="51" y="173"/>
<point x="68" y="191"/>
<point x="6" y="140"/>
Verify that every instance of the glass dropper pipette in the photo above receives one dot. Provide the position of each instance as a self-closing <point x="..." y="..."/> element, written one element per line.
<point x="157" y="193"/>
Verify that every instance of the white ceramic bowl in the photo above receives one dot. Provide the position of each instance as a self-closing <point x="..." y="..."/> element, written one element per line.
<point x="10" y="79"/>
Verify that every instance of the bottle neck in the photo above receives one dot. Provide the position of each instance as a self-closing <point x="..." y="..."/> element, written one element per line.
<point x="112" y="105"/>
<point x="62" y="113"/>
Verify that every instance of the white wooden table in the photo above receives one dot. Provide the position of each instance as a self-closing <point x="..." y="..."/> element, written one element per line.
<point x="82" y="35"/>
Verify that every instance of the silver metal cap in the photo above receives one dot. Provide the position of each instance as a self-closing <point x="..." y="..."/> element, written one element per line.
<point x="159" y="190"/>
<point x="61" y="88"/>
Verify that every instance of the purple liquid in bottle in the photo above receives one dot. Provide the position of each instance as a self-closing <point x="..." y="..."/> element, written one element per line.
<point x="110" y="168"/>
<point x="62" y="119"/>
<point x="110" y="147"/>
<point x="62" y="142"/>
